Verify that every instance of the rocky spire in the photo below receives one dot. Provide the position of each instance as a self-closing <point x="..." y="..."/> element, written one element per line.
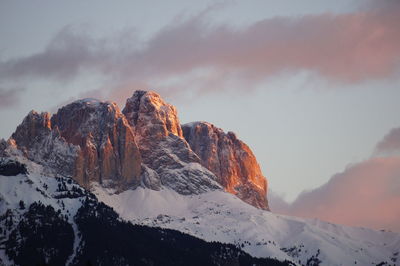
<point x="230" y="160"/>
<point x="40" y="143"/>
<point x="33" y="128"/>
<point x="164" y="150"/>
<point x="151" y="116"/>
<point x="108" y="151"/>
<point x="87" y="140"/>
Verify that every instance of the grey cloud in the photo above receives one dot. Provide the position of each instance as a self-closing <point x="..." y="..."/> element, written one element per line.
<point x="390" y="143"/>
<point x="345" y="48"/>
<point x="9" y="97"/>
<point x="65" y="55"/>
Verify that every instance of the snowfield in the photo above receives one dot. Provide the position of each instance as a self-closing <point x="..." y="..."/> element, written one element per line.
<point x="220" y="216"/>
<point x="36" y="187"/>
<point x="212" y="216"/>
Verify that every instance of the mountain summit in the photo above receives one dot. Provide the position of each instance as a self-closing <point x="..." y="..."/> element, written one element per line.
<point x="144" y="145"/>
<point x="90" y="175"/>
<point x="230" y="159"/>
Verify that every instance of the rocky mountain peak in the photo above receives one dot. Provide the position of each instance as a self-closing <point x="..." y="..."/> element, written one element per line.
<point x="230" y="160"/>
<point x="166" y="155"/>
<point x="87" y="140"/>
<point x="87" y="118"/>
<point x="36" y="138"/>
<point x="93" y="141"/>
<point x="151" y="115"/>
<point x="108" y="151"/>
<point x="32" y="129"/>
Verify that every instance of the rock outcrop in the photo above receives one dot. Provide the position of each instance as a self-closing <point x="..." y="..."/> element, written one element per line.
<point x="230" y="160"/>
<point x="11" y="168"/>
<point x="3" y="147"/>
<point x="87" y="140"/>
<point x="108" y="152"/>
<point x="93" y="141"/>
<point x="40" y="143"/>
<point x="164" y="151"/>
<point x="151" y="116"/>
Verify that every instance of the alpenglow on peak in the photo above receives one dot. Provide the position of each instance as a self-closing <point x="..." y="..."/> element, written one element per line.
<point x="142" y="145"/>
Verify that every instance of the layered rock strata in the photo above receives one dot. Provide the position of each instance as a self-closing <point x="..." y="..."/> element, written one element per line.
<point x="230" y="160"/>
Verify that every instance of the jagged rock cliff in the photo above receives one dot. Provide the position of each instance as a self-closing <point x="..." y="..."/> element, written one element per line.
<point x="151" y="116"/>
<point x="39" y="142"/>
<point x="93" y="141"/>
<point x="230" y="160"/>
<point x="87" y="140"/>
<point x="108" y="151"/>
<point x="164" y="151"/>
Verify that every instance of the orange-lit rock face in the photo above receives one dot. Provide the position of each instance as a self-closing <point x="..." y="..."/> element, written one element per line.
<point x="108" y="151"/>
<point x="34" y="126"/>
<point x="151" y="116"/>
<point x="230" y="160"/>
<point x="90" y="140"/>
<point x="162" y="146"/>
<point x="36" y="138"/>
<point x="87" y="140"/>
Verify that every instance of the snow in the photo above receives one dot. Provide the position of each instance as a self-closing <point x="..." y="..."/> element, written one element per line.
<point x="88" y="101"/>
<point x="214" y="216"/>
<point x="77" y="242"/>
<point x="37" y="188"/>
<point x="220" y="216"/>
<point x="176" y="170"/>
<point x="195" y="123"/>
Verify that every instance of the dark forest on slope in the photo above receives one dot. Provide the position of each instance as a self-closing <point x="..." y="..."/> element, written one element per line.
<point x="44" y="237"/>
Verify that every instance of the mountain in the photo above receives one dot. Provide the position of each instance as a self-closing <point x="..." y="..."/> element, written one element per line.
<point x="54" y="221"/>
<point x="220" y="216"/>
<point x="87" y="140"/>
<point x="137" y="187"/>
<point x="93" y="141"/>
<point x="108" y="151"/>
<point x="230" y="160"/>
<point x="166" y="154"/>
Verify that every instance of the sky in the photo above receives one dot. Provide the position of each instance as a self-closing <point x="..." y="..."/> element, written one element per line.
<point x="311" y="86"/>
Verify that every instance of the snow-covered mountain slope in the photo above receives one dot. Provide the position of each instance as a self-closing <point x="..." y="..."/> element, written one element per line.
<point x="18" y="193"/>
<point x="221" y="216"/>
<point x="53" y="221"/>
<point x="198" y="180"/>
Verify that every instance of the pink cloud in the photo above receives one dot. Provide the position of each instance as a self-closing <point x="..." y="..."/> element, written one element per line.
<point x="365" y="194"/>
<point x="345" y="48"/>
<point x="390" y="143"/>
